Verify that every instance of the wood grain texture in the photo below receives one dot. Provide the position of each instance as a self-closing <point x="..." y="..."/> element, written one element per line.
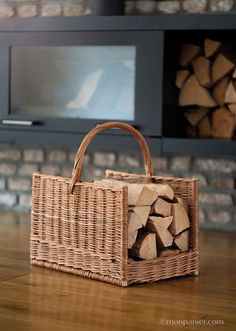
<point x="35" y="299"/>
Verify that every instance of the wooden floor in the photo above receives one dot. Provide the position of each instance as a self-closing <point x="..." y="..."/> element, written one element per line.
<point x="34" y="298"/>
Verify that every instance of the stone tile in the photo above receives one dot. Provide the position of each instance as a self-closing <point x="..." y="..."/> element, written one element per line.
<point x="51" y="169"/>
<point x="221" y="5"/>
<point x="195" y="6"/>
<point x="160" y="164"/>
<point x="146" y="7"/>
<point x="224" y="183"/>
<point x="33" y="155"/>
<point x="217" y="165"/>
<point x="50" y="9"/>
<point x="8" y="199"/>
<point x="57" y="155"/>
<point x="7" y="169"/>
<point x="25" y="201"/>
<point x="10" y="154"/>
<point x="27" y="169"/>
<point x="104" y="159"/>
<point x="6" y="10"/>
<point x="216" y="199"/>
<point x="27" y="10"/>
<point x="180" y="163"/>
<point x="169" y="7"/>
<point x="73" y="9"/>
<point x="131" y="161"/>
<point x="220" y="217"/>
<point x="19" y="184"/>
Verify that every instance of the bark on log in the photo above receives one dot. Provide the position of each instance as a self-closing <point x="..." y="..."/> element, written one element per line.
<point x="188" y="53"/>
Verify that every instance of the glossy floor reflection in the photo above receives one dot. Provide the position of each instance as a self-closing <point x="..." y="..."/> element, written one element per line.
<point x="33" y="298"/>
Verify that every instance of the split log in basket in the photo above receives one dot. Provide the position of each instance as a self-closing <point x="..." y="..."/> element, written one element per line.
<point x="206" y="79"/>
<point x="158" y="220"/>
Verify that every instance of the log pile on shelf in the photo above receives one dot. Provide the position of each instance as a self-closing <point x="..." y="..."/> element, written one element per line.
<point x="207" y="89"/>
<point x="158" y="225"/>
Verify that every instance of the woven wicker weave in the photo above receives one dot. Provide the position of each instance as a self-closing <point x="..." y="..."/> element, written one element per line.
<point x="81" y="228"/>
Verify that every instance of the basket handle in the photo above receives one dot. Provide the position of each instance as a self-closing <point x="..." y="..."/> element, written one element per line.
<point x="77" y="170"/>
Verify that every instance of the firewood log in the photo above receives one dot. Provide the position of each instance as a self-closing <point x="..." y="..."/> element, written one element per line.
<point x="139" y="194"/>
<point x="219" y="90"/>
<point x="230" y="93"/>
<point x="163" y="191"/>
<point x="222" y="124"/>
<point x="192" y="93"/>
<point x="232" y="108"/>
<point x="182" y="240"/>
<point x="168" y="252"/>
<point x="161" y="207"/>
<point x="132" y="236"/>
<point x="234" y="74"/>
<point x="164" y="222"/>
<point x="211" y="47"/>
<point x="180" y="219"/>
<point x="142" y="212"/>
<point x="194" y="116"/>
<point x="137" y="219"/>
<point x="188" y="53"/>
<point x="204" y="128"/>
<point x="202" y="71"/>
<point x="181" y="77"/>
<point x="221" y="67"/>
<point x="159" y="226"/>
<point x="182" y="202"/>
<point x="145" y="246"/>
<point x="133" y="226"/>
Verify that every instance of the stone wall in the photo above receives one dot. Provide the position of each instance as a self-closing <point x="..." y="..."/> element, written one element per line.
<point x="217" y="177"/>
<point x="17" y="163"/>
<point x="50" y="8"/>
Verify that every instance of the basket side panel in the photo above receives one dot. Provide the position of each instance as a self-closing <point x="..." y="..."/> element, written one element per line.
<point x="85" y="230"/>
<point x="163" y="268"/>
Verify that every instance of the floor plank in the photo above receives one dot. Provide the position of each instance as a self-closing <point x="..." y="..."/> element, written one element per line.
<point x="34" y="298"/>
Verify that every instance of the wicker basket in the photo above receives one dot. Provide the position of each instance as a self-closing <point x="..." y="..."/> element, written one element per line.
<point x="81" y="228"/>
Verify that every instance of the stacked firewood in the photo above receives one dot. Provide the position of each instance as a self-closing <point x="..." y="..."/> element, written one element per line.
<point x="158" y="220"/>
<point x="207" y="83"/>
